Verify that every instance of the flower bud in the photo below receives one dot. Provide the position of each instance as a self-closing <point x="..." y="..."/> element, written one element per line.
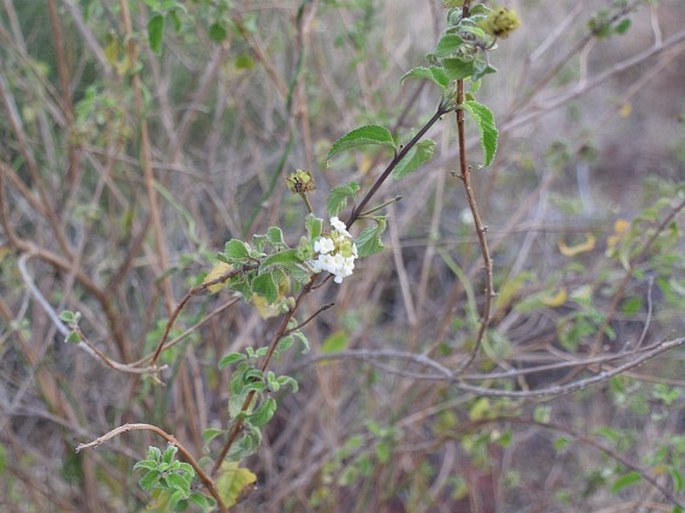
<point x="501" y="23"/>
<point x="300" y="182"/>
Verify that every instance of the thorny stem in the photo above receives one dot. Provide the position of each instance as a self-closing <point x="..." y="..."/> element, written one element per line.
<point x="206" y="480"/>
<point x="465" y="175"/>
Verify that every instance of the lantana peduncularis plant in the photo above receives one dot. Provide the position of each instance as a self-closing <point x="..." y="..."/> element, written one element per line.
<point x="274" y="276"/>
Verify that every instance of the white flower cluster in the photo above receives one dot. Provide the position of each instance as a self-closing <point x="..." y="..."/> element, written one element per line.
<point x="335" y="252"/>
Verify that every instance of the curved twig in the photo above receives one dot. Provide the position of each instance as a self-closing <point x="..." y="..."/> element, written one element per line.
<point x="206" y="480"/>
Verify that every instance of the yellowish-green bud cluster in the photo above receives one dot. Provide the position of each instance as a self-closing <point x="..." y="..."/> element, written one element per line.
<point x="501" y="22"/>
<point x="300" y="182"/>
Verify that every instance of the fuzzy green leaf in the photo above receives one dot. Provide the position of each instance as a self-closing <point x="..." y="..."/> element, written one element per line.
<point x="235" y="250"/>
<point x="435" y="74"/>
<point x="231" y="358"/>
<point x="489" y="134"/>
<point x="457" y="69"/>
<point x="448" y="45"/>
<point x="419" y="154"/>
<point x="369" y="241"/>
<point x="265" y="286"/>
<point x="337" y="199"/>
<point x="275" y="235"/>
<point x="362" y="136"/>
<point x="262" y="415"/>
<point x="314" y="226"/>
<point x="210" y="434"/>
<point x="155" y="32"/>
<point x="284" y="258"/>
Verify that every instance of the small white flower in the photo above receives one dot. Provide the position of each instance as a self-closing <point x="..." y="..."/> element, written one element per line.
<point x="340" y="226"/>
<point x="324" y="245"/>
<point x="335" y="253"/>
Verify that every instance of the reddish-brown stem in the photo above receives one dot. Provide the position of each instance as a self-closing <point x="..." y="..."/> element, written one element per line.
<point x="465" y="173"/>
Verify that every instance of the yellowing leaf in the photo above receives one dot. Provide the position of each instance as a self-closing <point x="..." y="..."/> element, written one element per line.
<point x="234" y="483"/>
<point x="557" y="299"/>
<point x="264" y="309"/>
<point x="583" y="247"/>
<point x="219" y="270"/>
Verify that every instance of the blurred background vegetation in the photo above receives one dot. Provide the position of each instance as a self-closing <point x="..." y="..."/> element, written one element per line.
<point x="127" y="161"/>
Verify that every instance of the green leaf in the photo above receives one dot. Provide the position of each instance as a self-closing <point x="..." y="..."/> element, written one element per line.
<point x="67" y="316"/>
<point x="420" y="153"/>
<point x="217" y="33"/>
<point x="262" y="415"/>
<point x="285" y="381"/>
<point x="622" y="26"/>
<point x="265" y="286"/>
<point x="169" y="454"/>
<point x="303" y="340"/>
<point x="335" y="342"/>
<point x="362" y="136"/>
<point x="149" y="479"/>
<point x="230" y="359"/>
<point x="369" y="241"/>
<point x="485" y="120"/>
<point x="435" y="74"/>
<point x="314" y="227"/>
<point x="210" y="434"/>
<point x="155" y="32"/>
<point x="337" y="199"/>
<point x="629" y="479"/>
<point x="201" y="501"/>
<point x="179" y="482"/>
<point x="286" y="343"/>
<point x="235" y="250"/>
<point x="285" y="258"/>
<point x="3" y="458"/>
<point x="457" y="69"/>
<point x="73" y="338"/>
<point x="275" y="235"/>
<point x="448" y="45"/>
